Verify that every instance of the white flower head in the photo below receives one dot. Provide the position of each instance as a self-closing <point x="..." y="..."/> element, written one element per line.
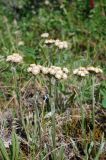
<point x="64" y="76"/>
<point x="20" y="43"/>
<point x="52" y="71"/>
<point x="32" y="65"/>
<point x="45" y="70"/>
<point x="34" y="69"/>
<point x="94" y="69"/>
<point x="29" y="69"/>
<point x="57" y="68"/>
<point x="65" y="70"/>
<point x="49" y="41"/>
<point x="81" y="72"/>
<point x="45" y="35"/>
<point x="47" y="2"/>
<point x="61" y="44"/>
<point x="40" y="67"/>
<point x="57" y="42"/>
<point x="55" y="71"/>
<point x="59" y="72"/>
<point x="58" y="76"/>
<point x="15" y="58"/>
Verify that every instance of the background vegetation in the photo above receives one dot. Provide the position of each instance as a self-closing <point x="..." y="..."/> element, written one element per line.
<point x="60" y="119"/>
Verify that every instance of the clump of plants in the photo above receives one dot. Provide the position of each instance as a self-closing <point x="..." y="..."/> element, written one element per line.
<point x="52" y="83"/>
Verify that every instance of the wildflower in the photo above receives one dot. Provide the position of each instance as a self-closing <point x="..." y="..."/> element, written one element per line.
<point x="59" y="72"/>
<point x="47" y="2"/>
<point x="65" y="70"/>
<point x="16" y="58"/>
<point x="33" y="65"/>
<point x="34" y="69"/>
<point x="57" y="68"/>
<point x="55" y="71"/>
<point x="20" y="43"/>
<point x="49" y="41"/>
<point x="64" y="76"/>
<point x="61" y="44"/>
<point x="57" y="42"/>
<point x="45" y="70"/>
<point x="45" y="35"/>
<point x="29" y="69"/>
<point x="94" y="70"/>
<point x="40" y="67"/>
<point x="52" y="71"/>
<point x="58" y="76"/>
<point x="81" y="72"/>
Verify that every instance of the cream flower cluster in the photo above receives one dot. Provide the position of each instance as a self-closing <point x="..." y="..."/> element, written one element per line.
<point x="34" y="69"/>
<point x="57" y="43"/>
<point x="61" y="44"/>
<point x="20" y="43"/>
<point x="45" y="35"/>
<point x="94" y="69"/>
<point x="57" y="72"/>
<point x="82" y="71"/>
<point x="15" y="58"/>
<point x="49" y="41"/>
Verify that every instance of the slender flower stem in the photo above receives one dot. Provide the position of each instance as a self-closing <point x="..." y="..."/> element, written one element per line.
<point x="93" y="107"/>
<point x="50" y="84"/>
<point x="56" y="94"/>
<point x="82" y="116"/>
<point x="53" y="131"/>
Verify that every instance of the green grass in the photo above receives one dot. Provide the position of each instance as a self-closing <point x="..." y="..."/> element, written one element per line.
<point x="70" y="123"/>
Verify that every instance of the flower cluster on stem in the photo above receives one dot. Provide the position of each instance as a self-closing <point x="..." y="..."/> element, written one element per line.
<point x="57" y="72"/>
<point x="84" y="71"/>
<point x="15" y="58"/>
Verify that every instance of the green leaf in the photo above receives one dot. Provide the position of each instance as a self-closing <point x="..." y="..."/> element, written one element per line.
<point x="15" y="147"/>
<point x="104" y="103"/>
<point x="61" y="153"/>
<point x="3" y="151"/>
<point x="103" y="92"/>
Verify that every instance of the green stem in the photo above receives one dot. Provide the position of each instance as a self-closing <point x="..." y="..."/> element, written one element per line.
<point x="93" y="107"/>
<point x="56" y="94"/>
<point x="82" y="116"/>
<point x="53" y="131"/>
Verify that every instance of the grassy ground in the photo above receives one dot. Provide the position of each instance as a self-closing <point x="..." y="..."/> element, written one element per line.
<point x="41" y="117"/>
